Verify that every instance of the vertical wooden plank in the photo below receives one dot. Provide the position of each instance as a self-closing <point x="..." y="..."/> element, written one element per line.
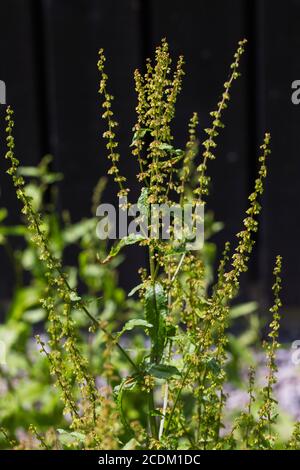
<point x="207" y="33"/>
<point x="282" y="228"/>
<point x="18" y="69"/>
<point x="74" y="33"/>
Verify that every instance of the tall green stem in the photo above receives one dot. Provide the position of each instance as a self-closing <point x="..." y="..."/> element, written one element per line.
<point x="151" y="403"/>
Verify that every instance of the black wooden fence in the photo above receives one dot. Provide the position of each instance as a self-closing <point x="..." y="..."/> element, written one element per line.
<point x="48" y="54"/>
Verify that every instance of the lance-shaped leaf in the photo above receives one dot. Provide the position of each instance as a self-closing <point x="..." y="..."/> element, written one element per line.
<point x="129" y="240"/>
<point x="137" y="322"/>
<point x="127" y="384"/>
<point x="135" y="289"/>
<point x="163" y="371"/>
<point x="138" y="135"/>
<point x="143" y="203"/>
<point x="156" y="304"/>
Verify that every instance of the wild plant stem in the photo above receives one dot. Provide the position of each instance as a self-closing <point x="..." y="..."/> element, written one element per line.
<point x="151" y="403"/>
<point x="177" y="397"/>
<point x="178" y="267"/>
<point x="81" y="304"/>
<point x="121" y="349"/>
<point x="165" y="406"/>
<point x="165" y="400"/>
<point x="166" y="393"/>
<point x="152" y="420"/>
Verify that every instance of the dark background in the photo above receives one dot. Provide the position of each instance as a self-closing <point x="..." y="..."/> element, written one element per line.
<point x="48" y="55"/>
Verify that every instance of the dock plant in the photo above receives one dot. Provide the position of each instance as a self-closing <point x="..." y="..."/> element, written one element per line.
<point x="163" y="374"/>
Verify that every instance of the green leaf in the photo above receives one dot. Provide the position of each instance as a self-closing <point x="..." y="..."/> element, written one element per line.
<point x="52" y="178"/>
<point x="35" y="193"/>
<point x="139" y="134"/>
<point x="169" y="148"/>
<point x="243" y="309"/>
<point x="24" y="299"/>
<point x="164" y="146"/>
<point x="155" y="302"/>
<point x="129" y="240"/>
<point x="31" y="171"/>
<point x="3" y="213"/>
<point x="69" y="438"/>
<point x="14" y="230"/>
<point x="138" y="322"/>
<point x="127" y="384"/>
<point x="171" y="331"/>
<point x="73" y="233"/>
<point x="163" y="371"/>
<point x="14" y="334"/>
<point x="213" y="365"/>
<point x="34" y="315"/>
<point x="156" y="305"/>
<point x="143" y="204"/>
<point x="135" y="289"/>
<point x="176" y="247"/>
<point x="41" y="171"/>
